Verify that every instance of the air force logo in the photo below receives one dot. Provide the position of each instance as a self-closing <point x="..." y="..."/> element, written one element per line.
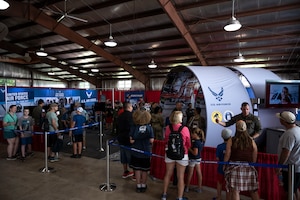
<point x="219" y="96"/>
<point x="89" y="94"/>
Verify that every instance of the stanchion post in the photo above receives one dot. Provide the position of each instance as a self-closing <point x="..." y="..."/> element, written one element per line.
<point x="100" y="133"/>
<point x="291" y="182"/>
<point x="107" y="187"/>
<point x="45" y="169"/>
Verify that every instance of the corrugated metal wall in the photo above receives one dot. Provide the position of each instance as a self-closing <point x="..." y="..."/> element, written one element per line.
<point x="26" y="78"/>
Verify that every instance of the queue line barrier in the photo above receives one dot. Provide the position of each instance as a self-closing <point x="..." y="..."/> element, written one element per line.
<point x="160" y="168"/>
<point x="48" y="169"/>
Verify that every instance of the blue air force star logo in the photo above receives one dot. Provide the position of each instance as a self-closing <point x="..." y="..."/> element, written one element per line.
<point x="217" y="95"/>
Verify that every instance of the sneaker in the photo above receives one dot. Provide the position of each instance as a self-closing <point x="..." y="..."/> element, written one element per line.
<point x="133" y="178"/>
<point x="138" y="190"/>
<point x="186" y="189"/>
<point x="164" y="197"/>
<point x="11" y="158"/>
<point x="22" y="158"/>
<point x="143" y="189"/>
<point x="74" y="156"/>
<point x="182" y="198"/>
<point x="53" y="159"/>
<point x="127" y="174"/>
<point x="29" y="154"/>
<point x="78" y="155"/>
<point x="198" y="190"/>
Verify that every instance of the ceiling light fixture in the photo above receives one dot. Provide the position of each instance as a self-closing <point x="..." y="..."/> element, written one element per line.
<point x="3" y="5"/>
<point x="152" y="64"/>
<point x="240" y="58"/>
<point x="51" y="73"/>
<point x="233" y="24"/>
<point x="95" y="70"/>
<point x="110" y="42"/>
<point x="41" y="52"/>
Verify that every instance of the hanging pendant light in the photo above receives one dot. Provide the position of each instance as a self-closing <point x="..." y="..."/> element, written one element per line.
<point x="240" y="58"/>
<point x="41" y="52"/>
<point x="152" y="64"/>
<point x="3" y="5"/>
<point x="233" y="24"/>
<point x="110" y="42"/>
<point x="52" y="73"/>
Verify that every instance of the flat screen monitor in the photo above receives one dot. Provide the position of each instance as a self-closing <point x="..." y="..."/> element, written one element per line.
<point x="283" y="94"/>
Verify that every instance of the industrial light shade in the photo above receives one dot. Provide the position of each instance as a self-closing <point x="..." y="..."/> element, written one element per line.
<point x="41" y="52"/>
<point x="51" y="73"/>
<point x="240" y="58"/>
<point x="110" y="42"/>
<point x="3" y="5"/>
<point x="152" y="65"/>
<point x="233" y="24"/>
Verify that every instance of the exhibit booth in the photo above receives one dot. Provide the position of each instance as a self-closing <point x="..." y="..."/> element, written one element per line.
<point x="219" y="92"/>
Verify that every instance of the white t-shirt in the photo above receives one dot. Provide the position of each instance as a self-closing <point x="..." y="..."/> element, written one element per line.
<point x="290" y="140"/>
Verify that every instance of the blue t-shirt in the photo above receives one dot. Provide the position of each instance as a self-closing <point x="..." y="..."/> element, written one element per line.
<point x="79" y="121"/>
<point x="220" y="153"/>
<point x="141" y="135"/>
<point x="199" y="145"/>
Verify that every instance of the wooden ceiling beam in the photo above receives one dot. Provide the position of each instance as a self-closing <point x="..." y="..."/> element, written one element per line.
<point x="181" y="26"/>
<point x="28" y="11"/>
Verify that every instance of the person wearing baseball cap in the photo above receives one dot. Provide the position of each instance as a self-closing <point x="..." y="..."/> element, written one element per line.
<point x="287" y="117"/>
<point x="78" y="121"/>
<point x="241" y="148"/>
<point x="289" y="149"/>
<point x="52" y="118"/>
<point x="220" y="152"/>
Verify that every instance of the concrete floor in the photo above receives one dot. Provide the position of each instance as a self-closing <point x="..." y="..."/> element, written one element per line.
<point x="76" y="179"/>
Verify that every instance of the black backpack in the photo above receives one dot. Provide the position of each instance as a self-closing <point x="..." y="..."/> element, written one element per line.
<point x="175" y="149"/>
<point x="45" y="125"/>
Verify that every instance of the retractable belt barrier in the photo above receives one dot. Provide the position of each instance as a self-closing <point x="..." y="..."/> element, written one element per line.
<point x="203" y="161"/>
<point x="46" y="168"/>
<point x="110" y="187"/>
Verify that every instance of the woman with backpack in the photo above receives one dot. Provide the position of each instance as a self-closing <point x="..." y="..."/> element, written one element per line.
<point x="172" y="159"/>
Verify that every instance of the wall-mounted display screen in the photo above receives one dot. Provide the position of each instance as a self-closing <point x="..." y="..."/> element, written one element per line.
<point x="283" y="94"/>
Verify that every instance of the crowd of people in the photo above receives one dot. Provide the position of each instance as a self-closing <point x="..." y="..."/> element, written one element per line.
<point x="136" y="129"/>
<point x="18" y="131"/>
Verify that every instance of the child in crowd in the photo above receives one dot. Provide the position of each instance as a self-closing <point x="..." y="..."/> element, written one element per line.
<point x="141" y="137"/>
<point x="77" y="137"/>
<point x="220" y="152"/>
<point x="198" y="140"/>
<point x="25" y="125"/>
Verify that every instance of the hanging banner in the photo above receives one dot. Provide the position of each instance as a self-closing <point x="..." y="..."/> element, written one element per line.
<point x="25" y="97"/>
<point x="134" y="97"/>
